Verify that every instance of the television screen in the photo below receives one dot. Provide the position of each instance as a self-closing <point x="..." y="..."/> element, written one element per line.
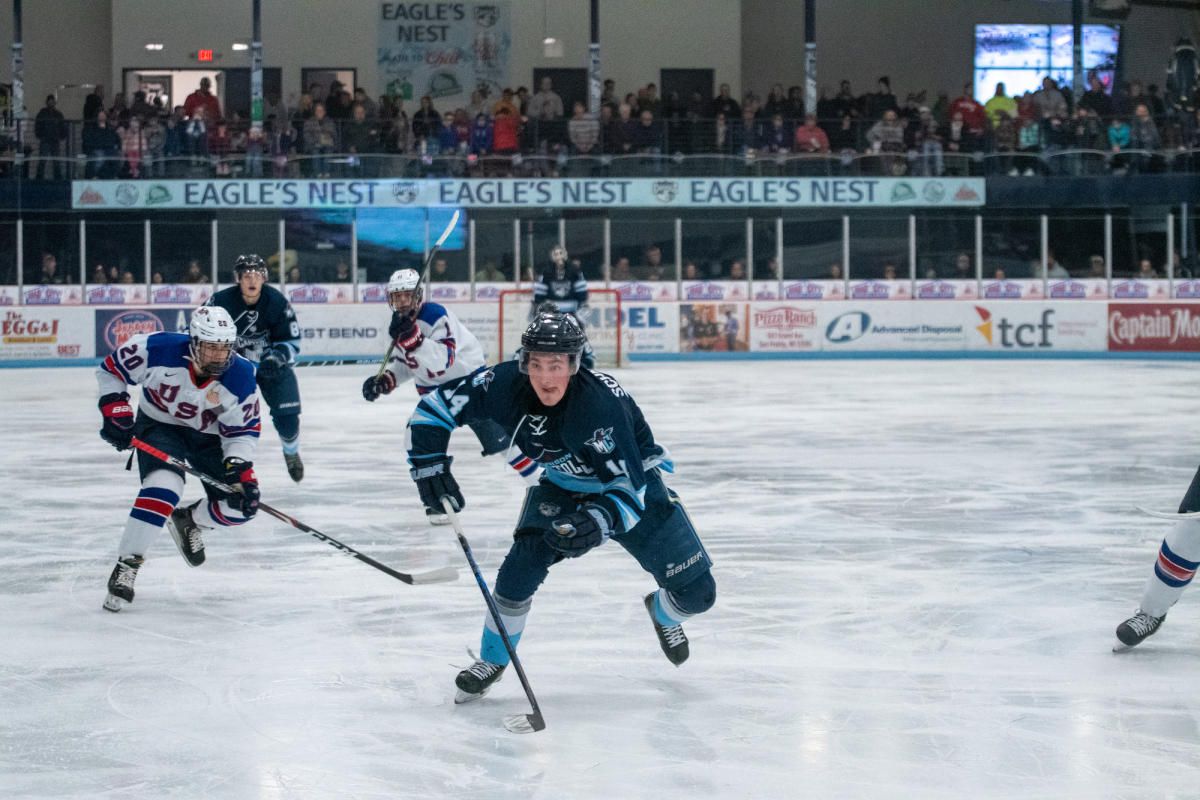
<point x="1020" y="56"/>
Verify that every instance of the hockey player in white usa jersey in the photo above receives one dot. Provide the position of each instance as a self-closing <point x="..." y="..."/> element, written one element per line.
<point x="433" y="347"/>
<point x="198" y="402"/>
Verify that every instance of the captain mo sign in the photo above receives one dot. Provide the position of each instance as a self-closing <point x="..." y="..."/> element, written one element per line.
<point x="532" y="193"/>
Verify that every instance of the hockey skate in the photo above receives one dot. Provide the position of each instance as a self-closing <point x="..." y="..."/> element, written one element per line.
<point x="295" y="466"/>
<point x="186" y="534"/>
<point x="475" y="681"/>
<point x="120" y="583"/>
<point x="1134" y="630"/>
<point x="673" y="640"/>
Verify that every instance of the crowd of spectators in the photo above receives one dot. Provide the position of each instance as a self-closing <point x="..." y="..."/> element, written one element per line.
<point x="332" y="130"/>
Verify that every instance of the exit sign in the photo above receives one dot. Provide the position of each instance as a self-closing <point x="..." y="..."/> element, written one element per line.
<point x="206" y="55"/>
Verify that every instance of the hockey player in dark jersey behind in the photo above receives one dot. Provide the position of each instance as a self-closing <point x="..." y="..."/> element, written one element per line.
<point x="602" y="479"/>
<point x="197" y="403"/>
<point x="269" y="335"/>
<point x="563" y="288"/>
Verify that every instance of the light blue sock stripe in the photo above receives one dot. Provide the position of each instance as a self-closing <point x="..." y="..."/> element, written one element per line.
<point x="491" y="647"/>
<point x="666" y="613"/>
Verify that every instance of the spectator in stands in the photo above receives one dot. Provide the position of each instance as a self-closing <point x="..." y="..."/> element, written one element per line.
<point x="793" y="110"/>
<point x="396" y="130"/>
<point x="621" y="270"/>
<point x="624" y="142"/>
<point x="481" y="136"/>
<point x="653" y="269"/>
<point x="196" y="135"/>
<point x="521" y="98"/>
<point x="360" y="137"/>
<point x="99" y="274"/>
<point x="929" y="143"/>
<point x="722" y="136"/>
<point x="194" y="273"/>
<point x="293" y="274"/>
<point x="844" y="139"/>
<point x="141" y="108"/>
<point x="1096" y="267"/>
<point x="1056" y="137"/>
<point x="341" y="273"/>
<point x="776" y="102"/>
<point x="769" y="272"/>
<point x="50" y="128"/>
<point x="369" y="108"/>
<point x="156" y="142"/>
<point x="745" y="135"/>
<point x="810" y="138"/>
<point x="205" y="99"/>
<point x="1029" y="142"/>
<point x="583" y="131"/>
<point x="447" y="137"/>
<point x="887" y="138"/>
<point x="425" y="122"/>
<point x="490" y="273"/>
<point x="690" y="271"/>
<point x="737" y="270"/>
<point x="880" y="101"/>
<point x="102" y="146"/>
<point x="1004" y="141"/>
<point x="777" y="138"/>
<point x="963" y="271"/>
<point x="608" y="96"/>
<point x="889" y="272"/>
<point x="1095" y="99"/>
<point x="506" y="137"/>
<point x="648" y="99"/>
<point x="1119" y="137"/>
<point x="93" y="104"/>
<point x="1049" y="101"/>
<point x="255" y="144"/>
<point x="49" y="273"/>
<point x="133" y="144"/>
<point x="281" y="146"/>
<point x="220" y="145"/>
<point x="173" y="145"/>
<point x="320" y="139"/>
<point x="1055" y="270"/>
<point x="844" y="103"/>
<point x="1146" y="270"/>
<point x="724" y="104"/>
<point x="1000" y="103"/>
<point x="337" y="105"/>
<point x="477" y="105"/>
<point x="546" y="105"/>
<point x="1143" y="136"/>
<point x="835" y="271"/>
<point x="974" y="115"/>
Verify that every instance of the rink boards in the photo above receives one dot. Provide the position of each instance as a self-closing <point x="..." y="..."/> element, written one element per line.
<point x="37" y="335"/>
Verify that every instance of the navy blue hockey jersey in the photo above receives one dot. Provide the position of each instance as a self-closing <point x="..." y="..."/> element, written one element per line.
<point x="568" y="292"/>
<point x="269" y="322"/>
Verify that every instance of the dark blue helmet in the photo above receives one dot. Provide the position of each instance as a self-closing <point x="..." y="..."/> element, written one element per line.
<point x="553" y="332"/>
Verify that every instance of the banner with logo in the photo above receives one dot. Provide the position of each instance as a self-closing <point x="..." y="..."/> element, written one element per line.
<point x="650" y="328"/>
<point x="780" y="327"/>
<point x="52" y="295"/>
<point x="1140" y="327"/>
<point x="115" y="294"/>
<point x="647" y="291"/>
<point x="180" y="294"/>
<point x="444" y="50"/>
<point x="266" y="193"/>
<point x="320" y="292"/>
<point x="1134" y="289"/>
<point x="1003" y="289"/>
<point x="1034" y="327"/>
<point x="713" y="327"/>
<point x="45" y="333"/>
<point x="814" y="290"/>
<point x="880" y="290"/>
<point x="114" y="327"/>
<point x="892" y="326"/>
<point x="946" y="290"/>
<point x="1078" y="289"/>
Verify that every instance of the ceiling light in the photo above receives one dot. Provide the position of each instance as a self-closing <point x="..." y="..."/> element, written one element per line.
<point x="154" y="46"/>
<point x="240" y="46"/>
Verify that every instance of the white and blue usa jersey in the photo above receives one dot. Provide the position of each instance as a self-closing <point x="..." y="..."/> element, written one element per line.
<point x="160" y="363"/>
<point x="449" y="351"/>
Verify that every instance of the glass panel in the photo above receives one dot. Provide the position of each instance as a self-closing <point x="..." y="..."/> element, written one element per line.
<point x="51" y="252"/>
<point x="717" y="245"/>
<point x="8" y="254"/>
<point x="1076" y="245"/>
<point x="450" y="263"/>
<point x="181" y="252"/>
<point x="494" y="256"/>
<point x="812" y="246"/>
<point x="316" y="240"/>
<point x="945" y="246"/>
<point x="766" y="265"/>
<point x="877" y="243"/>
<point x="537" y="237"/>
<point x="585" y="246"/>
<point x="1012" y="246"/>
<point x="1140" y="242"/>
<point x="388" y="239"/>
<point x="635" y="237"/>
<point x="248" y="234"/>
<point x="116" y="251"/>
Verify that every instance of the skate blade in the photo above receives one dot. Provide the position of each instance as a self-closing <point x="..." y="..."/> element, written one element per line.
<point x="1121" y="647"/>
<point x="114" y="604"/>
<point x="461" y="697"/>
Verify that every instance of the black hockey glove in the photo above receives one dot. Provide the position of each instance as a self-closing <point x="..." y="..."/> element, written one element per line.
<point x="240" y="474"/>
<point x="575" y="534"/>
<point x="434" y="482"/>
<point x="377" y="385"/>
<point x="118" y="420"/>
<point x="272" y="363"/>
<point x="405" y="333"/>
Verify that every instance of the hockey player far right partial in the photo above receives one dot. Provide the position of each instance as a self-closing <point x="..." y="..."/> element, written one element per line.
<point x="562" y="287"/>
<point x="198" y="403"/>
<point x="602" y="480"/>
<point x="434" y="347"/>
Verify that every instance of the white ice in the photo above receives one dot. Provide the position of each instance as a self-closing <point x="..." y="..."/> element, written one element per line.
<point x="919" y="569"/>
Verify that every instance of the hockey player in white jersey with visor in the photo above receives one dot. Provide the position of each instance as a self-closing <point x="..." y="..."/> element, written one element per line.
<point x="198" y="402"/>
<point x="432" y="346"/>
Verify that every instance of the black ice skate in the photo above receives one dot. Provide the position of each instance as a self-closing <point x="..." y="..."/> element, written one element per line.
<point x="672" y="638"/>
<point x="295" y="466"/>
<point x="120" y="583"/>
<point x="475" y="681"/>
<point x="1134" y="630"/>
<point x="186" y="534"/>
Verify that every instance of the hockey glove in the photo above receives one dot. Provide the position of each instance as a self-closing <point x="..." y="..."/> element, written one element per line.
<point x="240" y="474"/>
<point x="575" y="534"/>
<point x="118" y="420"/>
<point x="377" y="385"/>
<point x="405" y="333"/>
<point x="434" y="482"/>
<point x="272" y="362"/>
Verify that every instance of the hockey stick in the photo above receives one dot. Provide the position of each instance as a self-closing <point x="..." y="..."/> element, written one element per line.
<point x="434" y="576"/>
<point x="1168" y="514"/>
<point x="518" y="723"/>
<point x="441" y="240"/>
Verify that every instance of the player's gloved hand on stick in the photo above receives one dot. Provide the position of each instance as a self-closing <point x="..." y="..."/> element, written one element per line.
<point x="239" y="473"/>
<point x="377" y="385"/>
<point x="434" y="482"/>
<point x="272" y="361"/>
<point x="576" y="533"/>
<point x="404" y="332"/>
<point x="118" y="420"/>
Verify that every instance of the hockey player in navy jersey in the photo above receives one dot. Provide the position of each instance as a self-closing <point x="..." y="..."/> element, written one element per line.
<point x="197" y="402"/>
<point x="268" y="335"/>
<point x="602" y="479"/>
<point x="563" y="288"/>
<point x="433" y="347"/>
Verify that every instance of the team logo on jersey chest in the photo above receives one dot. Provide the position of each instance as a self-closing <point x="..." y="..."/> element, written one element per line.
<point x="601" y="441"/>
<point x="560" y="288"/>
<point x="537" y="425"/>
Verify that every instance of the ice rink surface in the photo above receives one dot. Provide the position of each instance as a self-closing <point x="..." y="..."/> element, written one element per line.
<point x="919" y="569"/>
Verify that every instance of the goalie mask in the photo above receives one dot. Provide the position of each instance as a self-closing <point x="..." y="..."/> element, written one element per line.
<point x="404" y="292"/>
<point x="558" y="255"/>
<point x="213" y="337"/>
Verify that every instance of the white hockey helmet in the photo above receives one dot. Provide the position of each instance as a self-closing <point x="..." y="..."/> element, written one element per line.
<point x="558" y="254"/>
<point x="213" y="335"/>
<point x="403" y="291"/>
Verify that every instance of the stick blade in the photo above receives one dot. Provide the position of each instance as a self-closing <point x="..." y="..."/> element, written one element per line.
<point x="525" y="723"/>
<point x="442" y="575"/>
<point x="1150" y="512"/>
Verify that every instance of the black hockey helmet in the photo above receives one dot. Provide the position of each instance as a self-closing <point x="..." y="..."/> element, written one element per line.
<point x="553" y="332"/>
<point x="250" y="262"/>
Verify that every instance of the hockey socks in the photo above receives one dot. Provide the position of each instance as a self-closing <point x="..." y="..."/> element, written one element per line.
<point x="1178" y="559"/>
<point x="512" y="614"/>
<point x="155" y="502"/>
<point x="213" y="514"/>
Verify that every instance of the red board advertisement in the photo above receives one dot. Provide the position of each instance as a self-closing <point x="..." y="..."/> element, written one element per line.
<point x="1154" y="327"/>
